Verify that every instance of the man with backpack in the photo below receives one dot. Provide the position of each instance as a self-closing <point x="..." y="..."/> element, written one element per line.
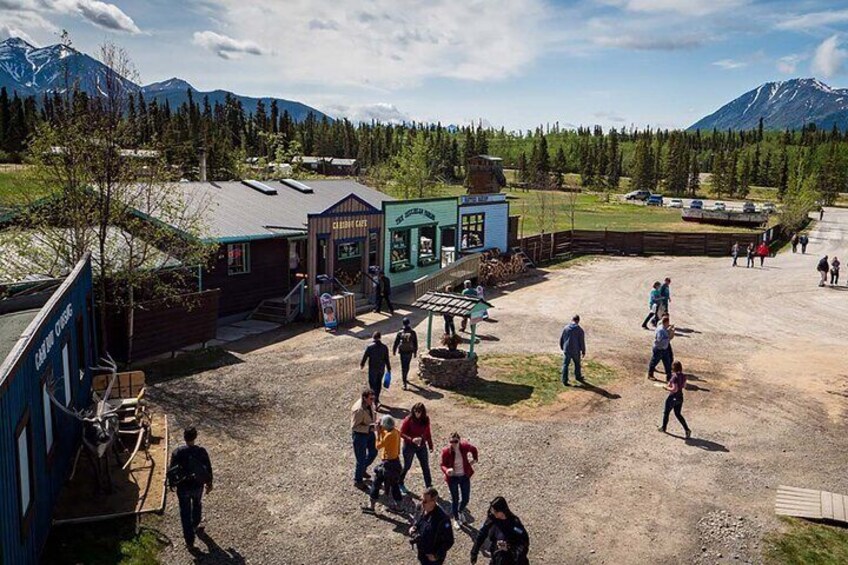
<point x="189" y="472"/>
<point x="406" y="343"/>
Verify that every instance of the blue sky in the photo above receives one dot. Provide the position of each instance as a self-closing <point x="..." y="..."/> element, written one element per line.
<point x="512" y="63"/>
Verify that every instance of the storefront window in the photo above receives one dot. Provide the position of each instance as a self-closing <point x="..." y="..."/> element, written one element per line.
<point x="238" y="258"/>
<point x="349" y="250"/>
<point x="400" y="251"/>
<point x="426" y="245"/>
<point x="473" y="231"/>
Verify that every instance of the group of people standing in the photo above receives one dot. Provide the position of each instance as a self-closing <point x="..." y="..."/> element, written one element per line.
<point x="751" y="253"/>
<point x="824" y="268"/>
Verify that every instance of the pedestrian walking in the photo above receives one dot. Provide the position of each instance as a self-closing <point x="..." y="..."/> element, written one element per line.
<point x="363" y="418"/>
<point x="417" y="444"/>
<point x="804" y="240"/>
<point x="834" y="271"/>
<point x="406" y="343"/>
<point x="384" y="292"/>
<point x="653" y="305"/>
<point x="572" y="342"/>
<point x="734" y="252"/>
<point x="667" y="318"/>
<point x="823" y="267"/>
<point x="665" y="297"/>
<point x="762" y="251"/>
<point x="190" y="473"/>
<point x="468" y="290"/>
<point x="377" y="356"/>
<point x="660" y="353"/>
<point x="794" y="242"/>
<point x="507" y="536"/>
<point x="674" y="401"/>
<point x="450" y="328"/>
<point x="458" y="469"/>
<point x="431" y="534"/>
<point x="388" y="472"/>
<point x="749" y="254"/>
<point x="821" y="213"/>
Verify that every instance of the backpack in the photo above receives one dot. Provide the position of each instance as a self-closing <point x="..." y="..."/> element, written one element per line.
<point x="191" y="469"/>
<point x="406" y="345"/>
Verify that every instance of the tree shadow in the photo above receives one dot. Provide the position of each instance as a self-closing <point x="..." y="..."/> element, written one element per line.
<point x="497" y="392"/>
<point x="216" y="553"/>
<point x="600" y="391"/>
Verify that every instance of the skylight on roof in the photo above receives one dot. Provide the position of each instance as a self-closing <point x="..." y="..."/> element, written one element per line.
<point x="261" y="187"/>
<point x="299" y="186"/>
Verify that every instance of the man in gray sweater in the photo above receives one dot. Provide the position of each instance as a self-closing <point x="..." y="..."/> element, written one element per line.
<point x="573" y="345"/>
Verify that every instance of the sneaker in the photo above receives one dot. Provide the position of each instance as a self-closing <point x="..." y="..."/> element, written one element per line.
<point x="566" y="383"/>
<point x="405" y="386"/>
<point x="581" y="381"/>
<point x="456" y="524"/>
<point x="371" y="508"/>
<point x="661" y="429"/>
<point x="688" y="434"/>
<point x="366" y="475"/>
<point x="199" y="529"/>
<point x="403" y="490"/>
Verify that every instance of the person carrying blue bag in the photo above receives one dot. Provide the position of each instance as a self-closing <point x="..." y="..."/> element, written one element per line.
<point x="377" y="356"/>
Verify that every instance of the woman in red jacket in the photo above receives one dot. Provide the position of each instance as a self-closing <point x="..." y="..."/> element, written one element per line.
<point x="763" y="252"/>
<point x="415" y="432"/>
<point x="458" y="468"/>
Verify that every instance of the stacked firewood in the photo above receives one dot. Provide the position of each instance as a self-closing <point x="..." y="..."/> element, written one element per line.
<point x="497" y="268"/>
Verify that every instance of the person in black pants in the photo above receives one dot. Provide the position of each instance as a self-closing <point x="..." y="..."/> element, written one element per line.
<point x="431" y="534"/>
<point x="377" y="356"/>
<point x="384" y="292"/>
<point x="450" y="328"/>
<point x="660" y="352"/>
<point x="675" y="398"/>
<point x="508" y="539"/>
<point x="406" y="343"/>
<point x="190" y="471"/>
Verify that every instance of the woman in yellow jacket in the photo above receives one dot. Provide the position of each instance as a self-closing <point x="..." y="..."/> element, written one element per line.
<point x="389" y="471"/>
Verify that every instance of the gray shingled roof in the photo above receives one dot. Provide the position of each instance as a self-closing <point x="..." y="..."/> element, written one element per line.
<point x="449" y="303"/>
<point x="235" y="211"/>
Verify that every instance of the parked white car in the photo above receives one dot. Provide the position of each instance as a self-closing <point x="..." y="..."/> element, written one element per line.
<point x="769" y="208"/>
<point x="675" y="203"/>
<point x="719" y="206"/>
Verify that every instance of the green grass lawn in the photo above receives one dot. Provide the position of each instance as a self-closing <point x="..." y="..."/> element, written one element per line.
<point x="526" y="380"/>
<point x="804" y="543"/>
<point x="118" y="542"/>
<point x="12" y="185"/>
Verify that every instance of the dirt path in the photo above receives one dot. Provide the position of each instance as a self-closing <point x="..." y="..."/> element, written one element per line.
<point x="591" y="477"/>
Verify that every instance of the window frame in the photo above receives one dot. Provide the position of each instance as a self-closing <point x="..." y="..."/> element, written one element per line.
<point x="479" y="218"/>
<point x="25" y="427"/>
<point x="245" y="247"/>
<point x="403" y="264"/>
<point x="433" y="258"/>
<point x="47" y="404"/>
<point x="65" y="353"/>
<point x="358" y="244"/>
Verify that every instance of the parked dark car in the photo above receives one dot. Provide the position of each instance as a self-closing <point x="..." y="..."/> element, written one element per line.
<point x="654" y="200"/>
<point x="749" y="208"/>
<point x="696" y="205"/>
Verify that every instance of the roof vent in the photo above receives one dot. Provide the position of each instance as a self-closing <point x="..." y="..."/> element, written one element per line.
<point x="298" y="186"/>
<point x="261" y="187"/>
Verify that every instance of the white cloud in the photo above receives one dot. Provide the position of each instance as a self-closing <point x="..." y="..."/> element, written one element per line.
<point x="788" y="64"/>
<point x="649" y="42"/>
<point x="391" y="43"/>
<point x="829" y="59"/>
<point x="7" y="31"/>
<point x="226" y="47"/>
<point x="685" y="7"/>
<point x="380" y="111"/>
<point x="613" y="117"/>
<point x="729" y="64"/>
<point x="813" y="20"/>
<point x="102" y="14"/>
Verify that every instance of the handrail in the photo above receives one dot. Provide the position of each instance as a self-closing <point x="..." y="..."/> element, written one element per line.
<point x="467" y="267"/>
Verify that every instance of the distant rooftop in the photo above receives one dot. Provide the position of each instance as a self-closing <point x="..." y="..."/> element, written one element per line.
<point x="12" y="327"/>
<point x="489" y="157"/>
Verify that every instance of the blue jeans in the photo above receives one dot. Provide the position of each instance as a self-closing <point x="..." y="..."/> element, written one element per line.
<point x="405" y="362"/>
<point x="365" y="451"/>
<point x="657" y="356"/>
<point x="566" y="359"/>
<point x="459" y="486"/>
<point x="191" y="511"/>
<point x="410" y="452"/>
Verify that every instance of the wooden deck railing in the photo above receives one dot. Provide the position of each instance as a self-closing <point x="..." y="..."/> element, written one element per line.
<point x="466" y="268"/>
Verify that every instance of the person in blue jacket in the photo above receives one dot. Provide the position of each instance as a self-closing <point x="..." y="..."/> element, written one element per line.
<point x="573" y="345"/>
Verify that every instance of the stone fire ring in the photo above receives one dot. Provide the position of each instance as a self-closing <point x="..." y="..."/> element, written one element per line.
<point x="447" y="373"/>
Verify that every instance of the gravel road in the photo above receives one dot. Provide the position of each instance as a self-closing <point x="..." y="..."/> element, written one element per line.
<point x="590" y="476"/>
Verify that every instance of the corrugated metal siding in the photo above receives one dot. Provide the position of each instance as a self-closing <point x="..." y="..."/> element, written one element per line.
<point x="21" y="391"/>
<point x="497" y="224"/>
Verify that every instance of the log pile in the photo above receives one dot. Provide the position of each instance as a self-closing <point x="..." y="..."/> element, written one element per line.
<point x="497" y="268"/>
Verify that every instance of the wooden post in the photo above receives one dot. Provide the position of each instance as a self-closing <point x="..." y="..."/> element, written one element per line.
<point x="473" y="339"/>
<point x="429" y="330"/>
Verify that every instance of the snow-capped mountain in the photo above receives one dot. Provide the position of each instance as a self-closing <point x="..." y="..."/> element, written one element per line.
<point x="33" y="71"/>
<point x="785" y="104"/>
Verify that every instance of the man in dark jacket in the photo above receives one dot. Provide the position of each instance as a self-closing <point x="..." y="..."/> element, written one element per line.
<point x="384" y="291"/>
<point x="804" y="240"/>
<point x="573" y="345"/>
<point x="407" y="343"/>
<point x="377" y="356"/>
<point x="431" y="534"/>
<point x="191" y="470"/>
<point x="823" y="267"/>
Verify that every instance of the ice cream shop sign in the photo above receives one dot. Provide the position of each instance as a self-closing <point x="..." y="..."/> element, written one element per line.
<point x="53" y="333"/>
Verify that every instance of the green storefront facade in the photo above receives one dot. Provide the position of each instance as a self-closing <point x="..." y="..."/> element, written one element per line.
<point x="419" y="235"/>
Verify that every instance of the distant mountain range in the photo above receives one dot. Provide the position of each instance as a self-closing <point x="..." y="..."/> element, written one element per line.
<point x="33" y="71"/>
<point x="785" y="104"/>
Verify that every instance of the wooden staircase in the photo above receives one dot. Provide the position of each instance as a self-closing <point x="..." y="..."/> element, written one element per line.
<point x="527" y="261"/>
<point x="363" y="304"/>
<point x="281" y="310"/>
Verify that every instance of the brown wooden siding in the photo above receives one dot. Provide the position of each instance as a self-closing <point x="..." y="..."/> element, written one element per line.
<point x="268" y="276"/>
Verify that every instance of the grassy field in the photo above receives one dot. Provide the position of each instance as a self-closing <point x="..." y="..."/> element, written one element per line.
<point x="807" y="544"/>
<point x="527" y="380"/>
<point x="12" y="184"/>
<point x="592" y="212"/>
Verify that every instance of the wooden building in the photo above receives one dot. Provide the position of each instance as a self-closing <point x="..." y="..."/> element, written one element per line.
<point x="329" y="166"/>
<point x="47" y="343"/>
<point x="485" y="174"/>
<point x="483" y="222"/>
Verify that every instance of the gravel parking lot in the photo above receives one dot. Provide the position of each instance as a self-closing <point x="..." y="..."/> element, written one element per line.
<point x="590" y="476"/>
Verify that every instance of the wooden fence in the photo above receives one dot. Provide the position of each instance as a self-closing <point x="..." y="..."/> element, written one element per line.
<point x="548" y="247"/>
<point x="466" y="268"/>
<point x="163" y="326"/>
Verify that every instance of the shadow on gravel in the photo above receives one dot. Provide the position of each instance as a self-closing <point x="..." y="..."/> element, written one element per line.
<point x="690" y="386"/>
<point x="216" y="553"/>
<point x="394" y="411"/>
<point x="389" y="326"/>
<point x="600" y="391"/>
<point x="426" y="393"/>
<point x="705" y="444"/>
<point x="188" y="364"/>
<point x="686" y="331"/>
<point x="400" y="526"/>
